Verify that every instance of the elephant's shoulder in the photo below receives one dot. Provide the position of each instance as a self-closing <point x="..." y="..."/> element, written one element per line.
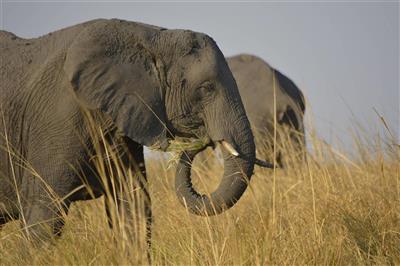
<point x="114" y="27"/>
<point x="68" y="34"/>
<point x="13" y="50"/>
<point x="9" y="40"/>
<point x="6" y="36"/>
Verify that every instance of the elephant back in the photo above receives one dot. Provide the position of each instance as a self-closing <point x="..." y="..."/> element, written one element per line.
<point x="254" y="78"/>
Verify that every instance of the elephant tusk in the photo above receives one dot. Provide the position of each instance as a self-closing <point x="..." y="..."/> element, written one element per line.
<point x="258" y="162"/>
<point x="230" y="148"/>
<point x="264" y="164"/>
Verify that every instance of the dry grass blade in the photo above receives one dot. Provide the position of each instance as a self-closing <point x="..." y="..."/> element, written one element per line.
<point x="335" y="209"/>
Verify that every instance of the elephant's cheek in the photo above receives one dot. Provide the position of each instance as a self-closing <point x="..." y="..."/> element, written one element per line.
<point x="202" y="133"/>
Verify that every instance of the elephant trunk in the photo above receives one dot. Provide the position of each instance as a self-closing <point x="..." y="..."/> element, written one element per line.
<point x="238" y="168"/>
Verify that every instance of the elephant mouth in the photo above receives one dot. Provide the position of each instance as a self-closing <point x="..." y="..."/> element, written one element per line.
<point x="181" y="144"/>
<point x="186" y="137"/>
<point x="187" y="126"/>
<point x="195" y="139"/>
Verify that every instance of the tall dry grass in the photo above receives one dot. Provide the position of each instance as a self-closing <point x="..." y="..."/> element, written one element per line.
<point x="330" y="209"/>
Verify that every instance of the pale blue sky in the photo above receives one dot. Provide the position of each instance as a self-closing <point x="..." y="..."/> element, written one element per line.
<point x="343" y="55"/>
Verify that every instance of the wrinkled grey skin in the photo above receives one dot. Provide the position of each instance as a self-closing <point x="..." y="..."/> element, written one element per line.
<point x="152" y="83"/>
<point x="254" y="78"/>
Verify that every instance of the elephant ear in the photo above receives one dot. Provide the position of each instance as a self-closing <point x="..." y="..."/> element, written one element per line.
<point x="121" y="81"/>
<point x="292" y="90"/>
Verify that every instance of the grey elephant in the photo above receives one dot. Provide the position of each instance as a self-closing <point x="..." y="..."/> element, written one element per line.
<point x="152" y="83"/>
<point x="254" y="78"/>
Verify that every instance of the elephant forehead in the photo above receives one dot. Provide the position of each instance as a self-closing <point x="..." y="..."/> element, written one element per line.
<point x="203" y="67"/>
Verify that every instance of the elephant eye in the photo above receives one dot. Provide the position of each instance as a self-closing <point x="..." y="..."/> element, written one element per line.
<point x="206" y="88"/>
<point x="203" y="92"/>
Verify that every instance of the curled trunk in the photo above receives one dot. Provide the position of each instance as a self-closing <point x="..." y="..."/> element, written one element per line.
<point x="237" y="174"/>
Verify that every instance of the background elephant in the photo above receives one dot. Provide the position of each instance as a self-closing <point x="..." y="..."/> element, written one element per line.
<point x="146" y="84"/>
<point x="254" y="78"/>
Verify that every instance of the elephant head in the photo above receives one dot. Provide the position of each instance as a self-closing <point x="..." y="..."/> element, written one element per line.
<point x="156" y="84"/>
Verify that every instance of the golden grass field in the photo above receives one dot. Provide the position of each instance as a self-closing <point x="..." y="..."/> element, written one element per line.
<point x="335" y="209"/>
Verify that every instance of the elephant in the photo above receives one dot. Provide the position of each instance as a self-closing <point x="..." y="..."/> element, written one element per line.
<point x="150" y="83"/>
<point x="255" y="78"/>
